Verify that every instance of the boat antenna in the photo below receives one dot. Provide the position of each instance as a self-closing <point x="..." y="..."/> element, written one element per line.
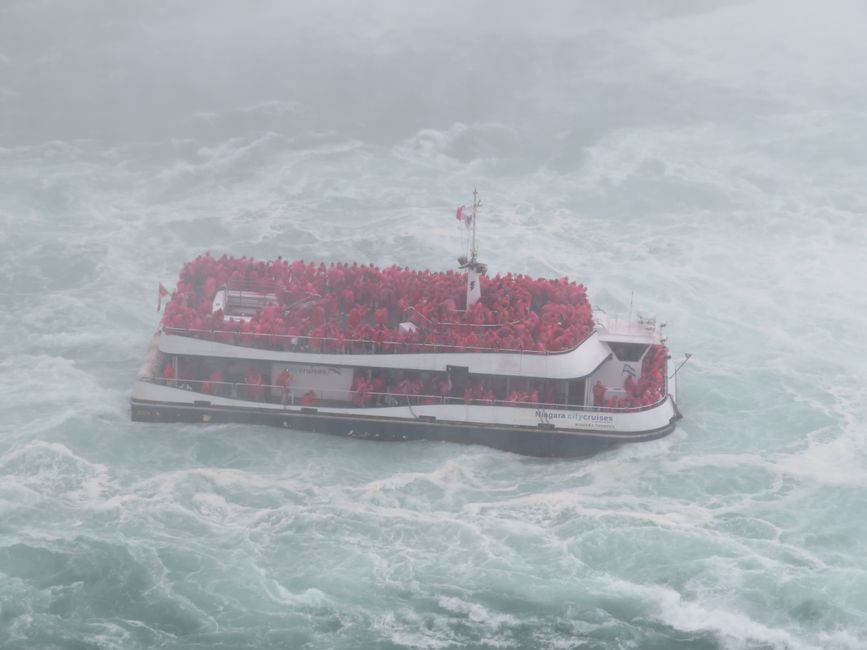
<point x="688" y="356"/>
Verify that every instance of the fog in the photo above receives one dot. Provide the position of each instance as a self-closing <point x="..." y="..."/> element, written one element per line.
<point x="701" y="161"/>
<point x="384" y="70"/>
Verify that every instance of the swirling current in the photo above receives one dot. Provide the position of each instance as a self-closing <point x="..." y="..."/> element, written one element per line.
<point x="703" y="162"/>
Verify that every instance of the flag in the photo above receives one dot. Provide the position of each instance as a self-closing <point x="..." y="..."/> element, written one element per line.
<point x="466" y="218"/>
<point x="162" y="292"/>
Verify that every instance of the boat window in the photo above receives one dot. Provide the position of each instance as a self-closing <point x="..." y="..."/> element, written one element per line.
<point x="628" y="351"/>
<point x="458" y="376"/>
<point x="575" y="395"/>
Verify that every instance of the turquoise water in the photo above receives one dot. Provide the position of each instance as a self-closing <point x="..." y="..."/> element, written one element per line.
<point x="709" y="157"/>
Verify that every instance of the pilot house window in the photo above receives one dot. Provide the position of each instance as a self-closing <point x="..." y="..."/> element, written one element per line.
<point x="628" y="351"/>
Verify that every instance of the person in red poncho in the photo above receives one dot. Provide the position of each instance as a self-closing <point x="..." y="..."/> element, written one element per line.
<point x="255" y="385"/>
<point x="169" y="374"/>
<point x="361" y="392"/>
<point x="214" y="384"/>
<point x="599" y="394"/>
<point x="284" y="380"/>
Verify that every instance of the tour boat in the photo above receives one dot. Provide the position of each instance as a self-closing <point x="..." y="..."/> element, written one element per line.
<point x="517" y="363"/>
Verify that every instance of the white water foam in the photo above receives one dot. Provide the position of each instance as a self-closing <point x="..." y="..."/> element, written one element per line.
<point x="709" y="158"/>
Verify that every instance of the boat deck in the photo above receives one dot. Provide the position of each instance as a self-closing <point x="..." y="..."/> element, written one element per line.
<point x="356" y="308"/>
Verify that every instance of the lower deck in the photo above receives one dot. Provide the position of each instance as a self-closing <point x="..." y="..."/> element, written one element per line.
<point x="528" y="415"/>
<point x="542" y="440"/>
<point x="529" y="431"/>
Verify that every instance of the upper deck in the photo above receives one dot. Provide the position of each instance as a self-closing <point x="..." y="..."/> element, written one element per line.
<point x="350" y="308"/>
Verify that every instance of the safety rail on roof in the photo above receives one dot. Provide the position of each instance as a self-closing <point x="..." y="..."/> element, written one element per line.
<point x="253" y="286"/>
<point x="409" y="312"/>
<point x="274" y="394"/>
<point x="332" y="345"/>
<point x="616" y="324"/>
<point x="246" y="298"/>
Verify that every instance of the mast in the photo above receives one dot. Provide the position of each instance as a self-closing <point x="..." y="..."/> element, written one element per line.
<point x="474" y="268"/>
<point x="476" y="203"/>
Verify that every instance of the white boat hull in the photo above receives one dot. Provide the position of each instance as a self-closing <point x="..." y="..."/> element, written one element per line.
<point x="531" y="431"/>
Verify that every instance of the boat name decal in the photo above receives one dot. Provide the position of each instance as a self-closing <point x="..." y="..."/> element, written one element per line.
<point x="585" y="417"/>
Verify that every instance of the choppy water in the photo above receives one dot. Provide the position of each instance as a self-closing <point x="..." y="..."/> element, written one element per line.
<point x="709" y="156"/>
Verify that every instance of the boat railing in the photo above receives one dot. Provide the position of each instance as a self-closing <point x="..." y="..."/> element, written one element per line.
<point x="616" y="324"/>
<point x="245" y="299"/>
<point x="287" y="395"/>
<point x="333" y="345"/>
<point x="409" y="312"/>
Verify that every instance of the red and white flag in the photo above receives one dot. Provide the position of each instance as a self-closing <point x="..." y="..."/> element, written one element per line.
<point x="163" y="292"/>
<point x="466" y="219"/>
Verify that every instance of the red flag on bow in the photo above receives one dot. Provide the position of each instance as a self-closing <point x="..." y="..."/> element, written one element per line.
<point x="163" y="292"/>
<point x="459" y="213"/>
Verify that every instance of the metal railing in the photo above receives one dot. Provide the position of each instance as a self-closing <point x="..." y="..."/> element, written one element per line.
<point x="276" y="394"/>
<point x="412" y="311"/>
<point x="333" y="345"/>
<point x="616" y="324"/>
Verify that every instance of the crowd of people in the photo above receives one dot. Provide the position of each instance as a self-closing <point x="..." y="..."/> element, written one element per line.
<point x="394" y="388"/>
<point x="649" y="388"/>
<point x="378" y="389"/>
<point x="344" y="307"/>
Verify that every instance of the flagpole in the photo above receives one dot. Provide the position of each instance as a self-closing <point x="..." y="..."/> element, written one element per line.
<point x="473" y="250"/>
<point x="472" y="265"/>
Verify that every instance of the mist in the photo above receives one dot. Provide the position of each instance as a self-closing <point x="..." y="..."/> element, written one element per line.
<point x="699" y="161"/>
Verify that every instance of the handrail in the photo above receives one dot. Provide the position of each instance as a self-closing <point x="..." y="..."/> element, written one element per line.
<point x="322" y="393"/>
<point x="435" y="323"/>
<point x="292" y="339"/>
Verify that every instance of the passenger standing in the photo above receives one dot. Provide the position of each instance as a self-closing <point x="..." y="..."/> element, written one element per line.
<point x="284" y="380"/>
<point x="169" y="374"/>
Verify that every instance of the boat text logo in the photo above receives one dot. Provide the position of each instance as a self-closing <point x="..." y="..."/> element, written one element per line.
<point x="594" y="418"/>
